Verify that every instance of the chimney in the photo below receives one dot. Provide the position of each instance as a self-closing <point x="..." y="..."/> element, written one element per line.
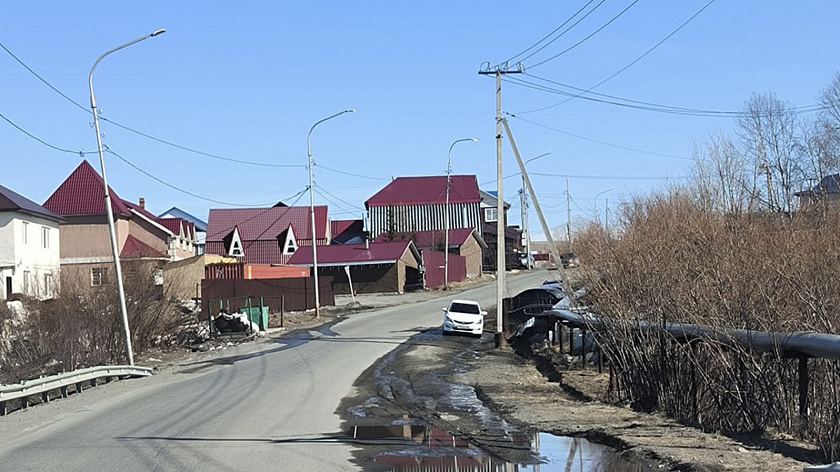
<point x="142" y="203"/>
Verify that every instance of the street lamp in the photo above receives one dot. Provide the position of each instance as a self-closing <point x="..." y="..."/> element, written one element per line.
<point x="113" y="233"/>
<point x="524" y="209"/>
<point x="312" y="208"/>
<point x="446" y="211"/>
<point x="597" y="214"/>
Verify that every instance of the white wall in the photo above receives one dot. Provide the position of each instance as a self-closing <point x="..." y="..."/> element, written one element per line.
<point x="24" y="258"/>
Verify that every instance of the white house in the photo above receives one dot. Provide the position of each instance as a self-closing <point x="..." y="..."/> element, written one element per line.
<point x="29" y="247"/>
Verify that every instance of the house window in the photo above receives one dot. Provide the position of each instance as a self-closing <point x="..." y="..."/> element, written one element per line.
<point x="491" y="214"/>
<point x="25" y="232"/>
<point x="45" y="237"/>
<point x="97" y="276"/>
<point x="48" y="285"/>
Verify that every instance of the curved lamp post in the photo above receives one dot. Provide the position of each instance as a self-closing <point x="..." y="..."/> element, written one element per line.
<point x="524" y="209"/>
<point x="312" y="208"/>
<point x="108" y="210"/>
<point x="597" y="214"/>
<point x="446" y="210"/>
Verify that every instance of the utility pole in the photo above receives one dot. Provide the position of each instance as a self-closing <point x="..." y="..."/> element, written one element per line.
<point x="568" y="217"/>
<point x="523" y="218"/>
<point x="501" y="260"/>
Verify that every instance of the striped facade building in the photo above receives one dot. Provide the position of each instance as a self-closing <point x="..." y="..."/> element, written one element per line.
<point x="415" y="204"/>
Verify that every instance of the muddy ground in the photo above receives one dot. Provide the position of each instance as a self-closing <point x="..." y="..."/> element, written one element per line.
<point x="494" y="400"/>
<point x="431" y="379"/>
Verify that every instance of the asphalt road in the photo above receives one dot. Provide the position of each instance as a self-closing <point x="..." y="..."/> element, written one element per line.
<point x="265" y="407"/>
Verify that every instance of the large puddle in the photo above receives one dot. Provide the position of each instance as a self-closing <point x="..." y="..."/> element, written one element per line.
<point x="394" y="433"/>
<point x="421" y="448"/>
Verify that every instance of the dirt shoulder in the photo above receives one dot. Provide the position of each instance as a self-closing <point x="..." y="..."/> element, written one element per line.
<point x="514" y="387"/>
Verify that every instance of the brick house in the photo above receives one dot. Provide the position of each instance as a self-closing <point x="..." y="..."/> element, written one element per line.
<point x="85" y="249"/>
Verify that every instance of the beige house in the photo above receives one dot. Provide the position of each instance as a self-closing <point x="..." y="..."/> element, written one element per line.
<point x="143" y="240"/>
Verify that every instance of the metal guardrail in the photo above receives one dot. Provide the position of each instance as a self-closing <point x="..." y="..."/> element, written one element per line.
<point x="800" y="344"/>
<point x="43" y="386"/>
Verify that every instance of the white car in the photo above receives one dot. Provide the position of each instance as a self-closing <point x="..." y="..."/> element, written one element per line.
<point x="463" y="316"/>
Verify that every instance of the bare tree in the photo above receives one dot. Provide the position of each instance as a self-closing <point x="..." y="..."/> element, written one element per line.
<point x="767" y="128"/>
<point x="722" y="181"/>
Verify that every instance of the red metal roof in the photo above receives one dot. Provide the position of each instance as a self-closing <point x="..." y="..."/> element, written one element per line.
<point x="172" y="224"/>
<point x="136" y="249"/>
<point x="82" y="194"/>
<point x="429" y="190"/>
<point x="431" y="239"/>
<point x="339" y="226"/>
<point x="352" y="254"/>
<point x="257" y="224"/>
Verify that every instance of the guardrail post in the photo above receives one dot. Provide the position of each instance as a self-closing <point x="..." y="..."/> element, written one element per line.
<point x="45" y="397"/>
<point x="583" y="349"/>
<point x="64" y="391"/>
<point x="803" y="388"/>
<point x="3" y="410"/>
<point x="79" y="387"/>
<point x="560" y="333"/>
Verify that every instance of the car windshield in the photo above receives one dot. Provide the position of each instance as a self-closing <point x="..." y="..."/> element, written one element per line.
<point x="465" y="308"/>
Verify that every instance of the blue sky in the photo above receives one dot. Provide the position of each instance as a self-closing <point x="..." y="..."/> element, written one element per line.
<point x="247" y="80"/>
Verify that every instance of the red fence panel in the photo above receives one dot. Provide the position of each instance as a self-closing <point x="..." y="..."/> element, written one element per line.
<point x="433" y="262"/>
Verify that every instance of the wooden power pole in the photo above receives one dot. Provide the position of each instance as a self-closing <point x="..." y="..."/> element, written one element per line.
<point x="501" y="222"/>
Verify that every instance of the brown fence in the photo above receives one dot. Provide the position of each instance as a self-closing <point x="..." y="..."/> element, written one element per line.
<point x="286" y="294"/>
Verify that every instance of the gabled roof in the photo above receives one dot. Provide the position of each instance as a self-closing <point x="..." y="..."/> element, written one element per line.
<point x="82" y="193"/>
<point x="347" y="231"/>
<point x="136" y="249"/>
<point x="256" y="224"/>
<point x="175" y="212"/>
<point x="491" y="198"/>
<point x="14" y="202"/>
<point x="430" y="190"/>
<point x="829" y="185"/>
<point x="355" y="254"/>
<point x="435" y="239"/>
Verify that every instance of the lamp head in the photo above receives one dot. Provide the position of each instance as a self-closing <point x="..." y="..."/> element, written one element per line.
<point x="158" y="32"/>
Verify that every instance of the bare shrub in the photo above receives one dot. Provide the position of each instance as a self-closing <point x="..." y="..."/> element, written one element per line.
<point x="674" y="262"/>
<point x="83" y="326"/>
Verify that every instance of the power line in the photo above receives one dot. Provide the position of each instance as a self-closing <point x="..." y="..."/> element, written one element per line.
<point x="340" y="199"/>
<point x="148" y="174"/>
<point x="607" y="177"/>
<point x="622" y="12"/>
<point x="174" y="187"/>
<point x="646" y="106"/>
<point x="554" y="31"/>
<point x="145" y="135"/>
<point x="351" y="174"/>
<point x="51" y="146"/>
<point x="634" y="61"/>
<point x="87" y="109"/>
<point x="343" y="209"/>
<point x="626" y="148"/>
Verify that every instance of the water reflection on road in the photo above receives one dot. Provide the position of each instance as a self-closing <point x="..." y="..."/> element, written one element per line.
<point x="421" y="448"/>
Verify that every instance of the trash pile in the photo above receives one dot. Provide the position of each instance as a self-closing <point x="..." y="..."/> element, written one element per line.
<point x="228" y="323"/>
